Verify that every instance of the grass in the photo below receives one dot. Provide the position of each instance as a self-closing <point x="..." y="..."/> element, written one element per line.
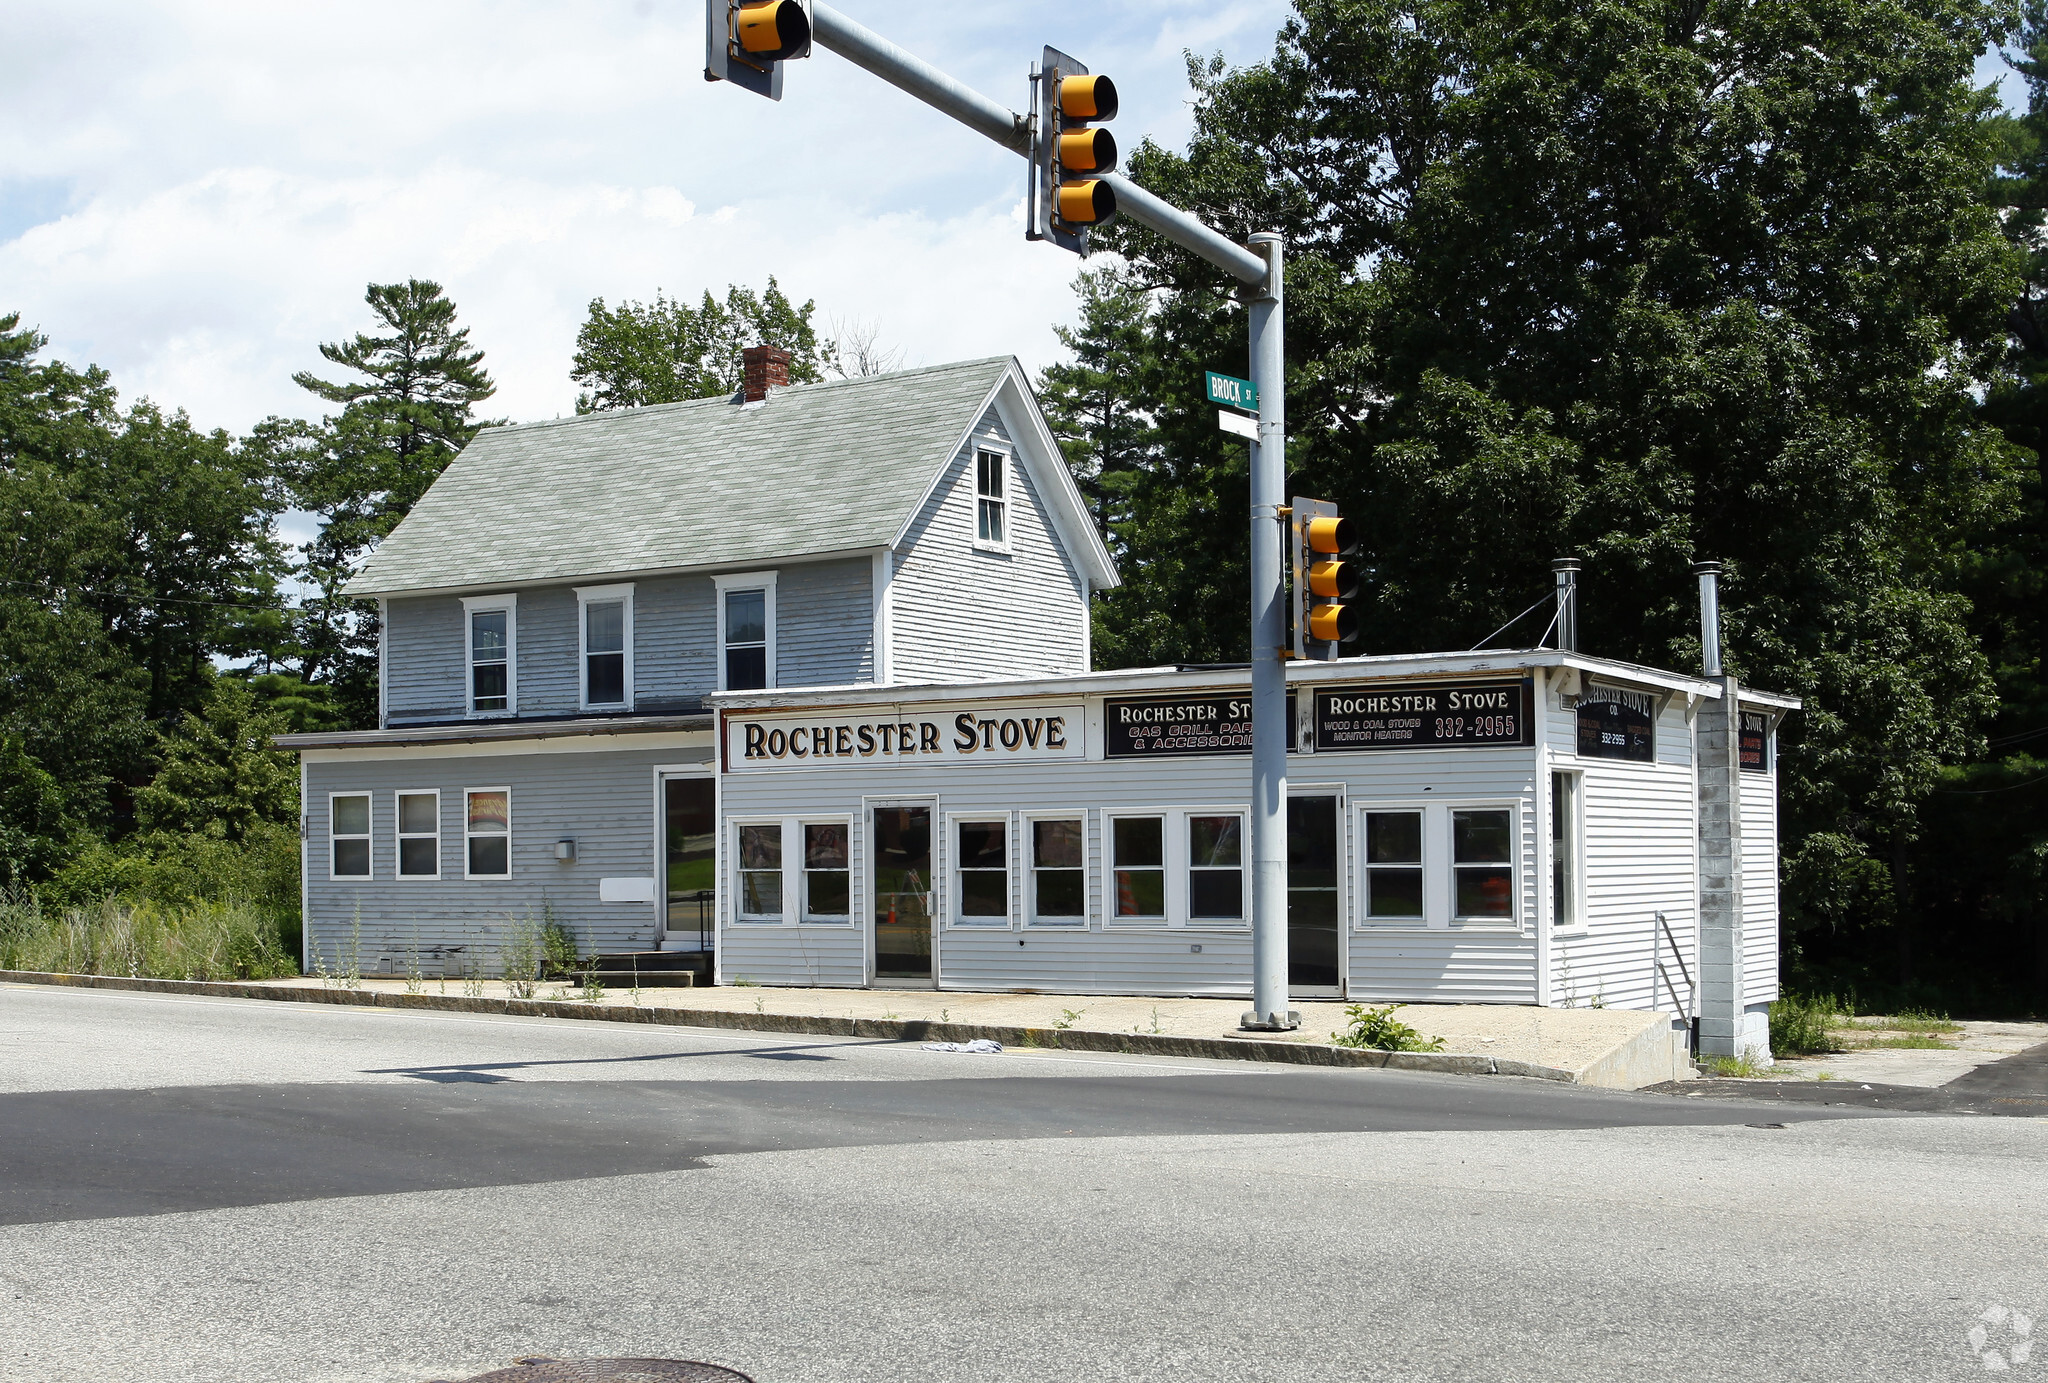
<point x="1914" y="1042"/>
<point x="1744" y="1067"/>
<point x="1919" y="1020"/>
<point x="198" y="940"/>
<point x="1806" y="1024"/>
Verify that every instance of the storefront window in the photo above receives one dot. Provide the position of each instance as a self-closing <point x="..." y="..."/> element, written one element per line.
<point x="1393" y="866"/>
<point x="1481" y="864"/>
<point x="984" y="867"/>
<point x="761" y="873"/>
<point x="1058" y="887"/>
<point x="828" y="887"/>
<point x="1216" y="866"/>
<point x="1139" y="845"/>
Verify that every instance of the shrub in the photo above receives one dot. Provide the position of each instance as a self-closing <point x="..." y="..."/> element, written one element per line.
<point x="196" y="941"/>
<point x="1803" y="1024"/>
<point x="1377" y="1027"/>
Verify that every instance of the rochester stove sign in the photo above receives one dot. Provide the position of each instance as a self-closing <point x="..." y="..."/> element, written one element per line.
<point x="1438" y="715"/>
<point x="1152" y="726"/>
<point x="779" y="739"/>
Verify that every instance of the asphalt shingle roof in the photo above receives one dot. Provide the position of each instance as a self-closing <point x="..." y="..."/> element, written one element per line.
<point x="818" y="468"/>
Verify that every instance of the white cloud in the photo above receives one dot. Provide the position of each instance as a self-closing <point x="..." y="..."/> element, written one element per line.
<point x="198" y="192"/>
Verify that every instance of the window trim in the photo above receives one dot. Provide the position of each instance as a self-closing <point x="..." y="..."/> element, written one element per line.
<point x="1366" y="921"/>
<point x="1513" y="921"/>
<point x="763" y="581"/>
<point x="1176" y="864"/>
<point x="399" y="835"/>
<point x="1027" y="883"/>
<point x="468" y="835"/>
<point x="473" y="605"/>
<point x="1007" y="459"/>
<point x="586" y="596"/>
<point x="1574" y="835"/>
<point x="368" y="836"/>
<point x="955" y="917"/>
<point x="801" y="882"/>
<point x="739" y="917"/>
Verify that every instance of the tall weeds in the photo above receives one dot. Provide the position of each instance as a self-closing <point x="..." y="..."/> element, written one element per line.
<point x="199" y="940"/>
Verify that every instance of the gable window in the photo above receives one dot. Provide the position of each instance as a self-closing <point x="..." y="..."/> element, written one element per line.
<point x="991" y="499"/>
<point x="348" y="833"/>
<point x="746" y="631"/>
<point x="492" y="643"/>
<point x="607" y="629"/>
<point x="419" y="835"/>
<point x="487" y="825"/>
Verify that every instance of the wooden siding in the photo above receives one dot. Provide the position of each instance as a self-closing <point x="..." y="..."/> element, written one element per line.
<point x="1641" y="842"/>
<point x="675" y="641"/>
<point x="1760" y="885"/>
<point x="549" y="645"/>
<point x="825" y="624"/>
<point x="423" y="651"/>
<point x="604" y="799"/>
<point x="963" y="612"/>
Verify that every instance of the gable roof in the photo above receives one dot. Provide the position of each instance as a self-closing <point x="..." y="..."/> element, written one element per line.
<point x="817" y="469"/>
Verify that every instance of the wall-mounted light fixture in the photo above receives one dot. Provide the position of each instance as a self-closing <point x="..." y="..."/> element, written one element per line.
<point x="565" y="848"/>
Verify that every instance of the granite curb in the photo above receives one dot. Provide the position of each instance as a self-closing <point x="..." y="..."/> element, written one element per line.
<point x="892" y="1030"/>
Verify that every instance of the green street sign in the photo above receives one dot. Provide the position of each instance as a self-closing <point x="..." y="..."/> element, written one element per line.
<point x="1232" y="391"/>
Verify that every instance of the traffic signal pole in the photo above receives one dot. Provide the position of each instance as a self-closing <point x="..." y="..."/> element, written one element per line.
<point x="1259" y="269"/>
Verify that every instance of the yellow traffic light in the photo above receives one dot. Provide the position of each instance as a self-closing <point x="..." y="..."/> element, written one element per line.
<point x="1087" y="98"/>
<point x="1087" y="151"/>
<point x="1331" y="534"/>
<point x="1333" y="623"/>
<point x="1325" y="583"/>
<point x="1333" y="580"/>
<point x="773" y="30"/>
<point x="1086" y="203"/>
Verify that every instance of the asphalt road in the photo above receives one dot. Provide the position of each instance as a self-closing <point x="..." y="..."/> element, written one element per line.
<point x="219" y="1189"/>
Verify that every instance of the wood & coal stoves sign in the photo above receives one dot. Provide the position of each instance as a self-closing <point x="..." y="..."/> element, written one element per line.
<point x="1436" y="715"/>
<point x="1615" y="723"/>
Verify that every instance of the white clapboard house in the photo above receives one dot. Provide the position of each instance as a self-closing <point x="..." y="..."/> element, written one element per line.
<point x="795" y="687"/>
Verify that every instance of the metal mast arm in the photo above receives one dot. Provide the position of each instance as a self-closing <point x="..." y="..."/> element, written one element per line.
<point x="865" y="48"/>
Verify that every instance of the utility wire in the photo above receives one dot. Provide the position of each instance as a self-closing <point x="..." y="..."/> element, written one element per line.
<point x="1517" y="620"/>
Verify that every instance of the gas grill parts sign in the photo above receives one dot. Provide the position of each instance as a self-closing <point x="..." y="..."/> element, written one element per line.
<point x="1617" y="724"/>
<point x="1753" y="745"/>
<point x="783" y="740"/>
<point x="1443" y="715"/>
<point x="1154" y="726"/>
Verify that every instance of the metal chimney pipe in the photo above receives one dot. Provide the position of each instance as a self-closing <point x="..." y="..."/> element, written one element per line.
<point x="1567" y="571"/>
<point x="1709" y="574"/>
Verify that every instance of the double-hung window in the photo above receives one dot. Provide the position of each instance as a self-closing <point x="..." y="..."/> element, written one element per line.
<point x="492" y="650"/>
<point x="1393" y="866"/>
<point x="348" y="834"/>
<point x="607" y="630"/>
<point x="746" y="631"/>
<point x="419" y="835"/>
<point x="828" y="877"/>
<point x="487" y="828"/>
<point x="982" y="865"/>
<point x="1059" y="887"/>
<point x="1565" y="836"/>
<point x="1177" y="868"/>
<point x="991" y="499"/>
<point x="1482" y="864"/>
<point x="760" y="860"/>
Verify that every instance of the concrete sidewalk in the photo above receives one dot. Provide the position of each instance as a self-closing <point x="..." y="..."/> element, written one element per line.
<point x="1608" y="1047"/>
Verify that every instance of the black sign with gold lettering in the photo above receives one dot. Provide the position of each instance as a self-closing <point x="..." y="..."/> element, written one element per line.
<point x="1147" y="727"/>
<point x="1441" y="715"/>
<point x="1617" y="725"/>
<point x="1753" y="743"/>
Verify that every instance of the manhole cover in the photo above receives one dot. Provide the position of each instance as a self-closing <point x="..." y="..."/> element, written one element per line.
<point x="612" y="1371"/>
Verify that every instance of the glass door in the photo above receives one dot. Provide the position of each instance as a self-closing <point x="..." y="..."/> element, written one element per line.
<point x="690" y="871"/>
<point x="902" y="838"/>
<point x="1314" y="918"/>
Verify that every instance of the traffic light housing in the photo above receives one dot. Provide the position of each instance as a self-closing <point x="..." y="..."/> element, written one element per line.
<point x="1326" y="579"/>
<point x="747" y="41"/>
<point x="1070" y="152"/>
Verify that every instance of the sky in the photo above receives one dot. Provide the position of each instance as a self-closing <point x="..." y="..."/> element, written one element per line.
<point x="194" y="193"/>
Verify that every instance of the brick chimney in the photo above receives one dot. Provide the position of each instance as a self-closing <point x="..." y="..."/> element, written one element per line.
<point x="762" y="368"/>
